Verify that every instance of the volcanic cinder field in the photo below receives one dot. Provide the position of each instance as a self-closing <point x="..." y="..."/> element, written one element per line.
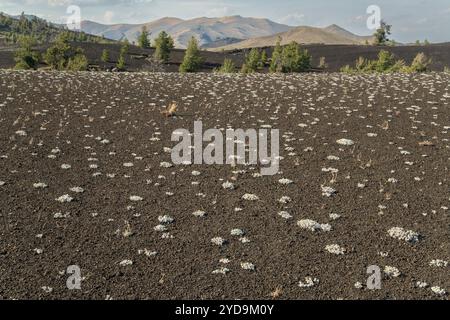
<point x="86" y="179"/>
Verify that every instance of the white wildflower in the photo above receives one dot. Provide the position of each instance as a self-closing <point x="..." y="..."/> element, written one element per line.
<point x="392" y="272"/>
<point x="125" y="263"/>
<point x="308" y="283"/>
<point x="250" y="197"/>
<point x="335" y="249"/>
<point x="405" y="235"/>
<point x="345" y="142"/>
<point x="219" y="241"/>
<point x="248" y="266"/>
<point x="64" y="198"/>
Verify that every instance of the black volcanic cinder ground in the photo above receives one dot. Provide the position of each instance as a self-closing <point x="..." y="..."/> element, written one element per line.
<point x="99" y="140"/>
<point x="336" y="56"/>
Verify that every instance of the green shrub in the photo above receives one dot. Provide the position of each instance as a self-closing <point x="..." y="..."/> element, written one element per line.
<point x="263" y="60"/>
<point x="105" y="56"/>
<point x="78" y="63"/>
<point x="25" y="57"/>
<point x="164" y="44"/>
<point x="252" y="61"/>
<point x="420" y="63"/>
<point x="347" y="69"/>
<point x="192" y="60"/>
<point x="143" y="40"/>
<point x="121" y="62"/>
<point x="62" y="53"/>
<point x="276" y="62"/>
<point x="57" y="56"/>
<point x="387" y="62"/>
<point x="227" y="67"/>
<point x="295" y="59"/>
<point x="382" y="33"/>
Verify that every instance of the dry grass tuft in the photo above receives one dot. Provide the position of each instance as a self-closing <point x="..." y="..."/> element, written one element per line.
<point x="171" y="110"/>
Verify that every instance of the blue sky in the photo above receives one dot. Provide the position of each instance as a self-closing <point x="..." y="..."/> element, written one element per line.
<point x="411" y="19"/>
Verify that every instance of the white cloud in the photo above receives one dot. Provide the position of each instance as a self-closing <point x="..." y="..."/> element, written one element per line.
<point x="108" y="17"/>
<point x="293" y="18"/>
<point x="219" y="12"/>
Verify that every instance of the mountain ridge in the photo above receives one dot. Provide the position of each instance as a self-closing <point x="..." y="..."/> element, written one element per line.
<point x="331" y="35"/>
<point x="207" y="30"/>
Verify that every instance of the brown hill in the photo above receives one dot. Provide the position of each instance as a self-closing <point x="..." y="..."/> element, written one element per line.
<point x="306" y="35"/>
<point x="206" y="30"/>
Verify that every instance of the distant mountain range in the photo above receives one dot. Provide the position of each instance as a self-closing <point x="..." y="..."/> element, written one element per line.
<point x="206" y="30"/>
<point x="305" y="35"/>
<point x="225" y="33"/>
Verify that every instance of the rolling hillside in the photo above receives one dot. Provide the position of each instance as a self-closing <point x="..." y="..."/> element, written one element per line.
<point x="207" y="30"/>
<point x="332" y="35"/>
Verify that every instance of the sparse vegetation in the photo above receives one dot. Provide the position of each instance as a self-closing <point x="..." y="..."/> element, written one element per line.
<point x="322" y="63"/>
<point x="42" y="31"/>
<point x="276" y="63"/>
<point x="382" y="34"/>
<point x="228" y="66"/>
<point x="192" y="59"/>
<point x="264" y="59"/>
<point x="62" y="56"/>
<point x="105" y="56"/>
<point x="143" y="40"/>
<point x="121" y="62"/>
<point x="252" y="61"/>
<point x="78" y="63"/>
<point x="290" y="58"/>
<point x="25" y="57"/>
<point x="294" y="59"/>
<point x="164" y="44"/>
<point x="387" y="63"/>
<point x="421" y="63"/>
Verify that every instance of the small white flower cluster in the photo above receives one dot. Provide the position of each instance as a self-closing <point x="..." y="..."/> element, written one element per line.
<point x="165" y="165"/>
<point x="228" y="186"/>
<point x="39" y="185"/>
<point x="136" y="198"/>
<point x="285" y="181"/>
<point x="77" y="189"/>
<point x="147" y="252"/>
<point x="328" y="191"/>
<point x="285" y="215"/>
<point x="219" y="241"/>
<point x="345" y="142"/>
<point x="237" y="232"/>
<point x="199" y="213"/>
<point x="392" y="272"/>
<point x="405" y="235"/>
<point x="439" y="291"/>
<point x="308" y="283"/>
<point x="313" y="226"/>
<point x="335" y="249"/>
<point x="64" y="199"/>
<point x="221" y="270"/>
<point x="163" y="226"/>
<point x="125" y="263"/>
<point x="248" y="266"/>
<point x="285" y="200"/>
<point x="438" y="263"/>
<point x="250" y="197"/>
